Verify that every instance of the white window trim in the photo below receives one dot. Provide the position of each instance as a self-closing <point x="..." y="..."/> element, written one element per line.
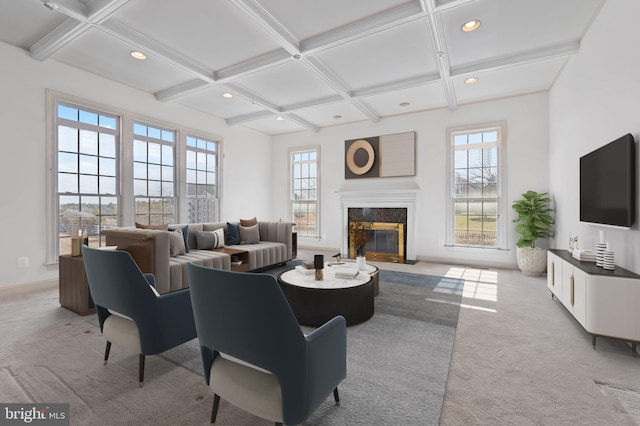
<point x="502" y="226"/>
<point x="126" y="215"/>
<point x="291" y="151"/>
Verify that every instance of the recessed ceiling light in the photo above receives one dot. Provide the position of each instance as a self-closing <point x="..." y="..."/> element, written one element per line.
<point x="280" y="118"/>
<point x="138" y="55"/>
<point x="471" y="80"/>
<point x="227" y="95"/>
<point x="405" y="104"/>
<point x="471" y="25"/>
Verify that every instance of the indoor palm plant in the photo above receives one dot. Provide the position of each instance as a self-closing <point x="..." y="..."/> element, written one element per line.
<point x="534" y="221"/>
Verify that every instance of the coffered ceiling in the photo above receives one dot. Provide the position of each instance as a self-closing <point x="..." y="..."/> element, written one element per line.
<point x="294" y="65"/>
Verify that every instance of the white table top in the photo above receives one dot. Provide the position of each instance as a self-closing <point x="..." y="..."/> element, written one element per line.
<point x="308" y="280"/>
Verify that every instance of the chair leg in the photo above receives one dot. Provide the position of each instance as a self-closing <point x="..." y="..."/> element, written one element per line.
<point x="336" y="396"/>
<point x="278" y="424"/>
<point x="141" y="370"/>
<point x="214" y="410"/>
<point x="106" y="353"/>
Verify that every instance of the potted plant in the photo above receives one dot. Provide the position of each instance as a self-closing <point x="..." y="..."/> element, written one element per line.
<point x="534" y="221"/>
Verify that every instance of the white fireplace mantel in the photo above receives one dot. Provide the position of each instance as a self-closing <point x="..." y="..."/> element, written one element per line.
<point x="380" y="198"/>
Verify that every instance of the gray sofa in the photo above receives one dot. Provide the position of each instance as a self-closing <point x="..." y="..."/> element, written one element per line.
<point x="155" y="253"/>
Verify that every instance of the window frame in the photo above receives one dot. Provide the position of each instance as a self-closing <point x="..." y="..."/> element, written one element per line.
<point x="126" y="204"/>
<point x="290" y="208"/>
<point x="501" y="185"/>
<point x="214" y="215"/>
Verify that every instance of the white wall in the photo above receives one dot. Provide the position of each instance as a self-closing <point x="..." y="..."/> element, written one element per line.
<point x="526" y="119"/>
<point x="246" y="173"/>
<point x="596" y="100"/>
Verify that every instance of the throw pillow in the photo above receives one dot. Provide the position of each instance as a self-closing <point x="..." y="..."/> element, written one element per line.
<point x="248" y="222"/>
<point x="233" y="234"/>
<point x="219" y="237"/>
<point x="176" y="243"/>
<point x="207" y="240"/>
<point x="163" y="227"/>
<point x="185" y="235"/>
<point x="249" y="235"/>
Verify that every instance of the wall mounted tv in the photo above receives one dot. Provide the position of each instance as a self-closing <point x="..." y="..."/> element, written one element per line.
<point x="608" y="184"/>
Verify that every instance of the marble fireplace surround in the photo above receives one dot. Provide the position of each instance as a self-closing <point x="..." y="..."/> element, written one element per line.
<point x="391" y="197"/>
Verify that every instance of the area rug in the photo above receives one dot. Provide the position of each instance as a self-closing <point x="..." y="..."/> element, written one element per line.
<point x="397" y="362"/>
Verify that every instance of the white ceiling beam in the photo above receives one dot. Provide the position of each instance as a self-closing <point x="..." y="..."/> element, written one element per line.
<point x="80" y="20"/>
<point x="270" y="24"/>
<point x="394" y="86"/>
<point x="257" y="100"/>
<point x="252" y="66"/>
<point x="149" y="45"/>
<point x="248" y="117"/>
<point x="537" y="55"/>
<point x="380" y="22"/>
<point x="439" y="45"/>
<point x="181" y="89"/>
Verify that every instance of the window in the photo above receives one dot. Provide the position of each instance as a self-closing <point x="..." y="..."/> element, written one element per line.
<point x="86" y="174"/>
<point x="107" y="167"/>
<point x="202" y="180"/>
<point x="475" y="188"/>
<point x="305" y="186"/>
<point x="154" y="174"/>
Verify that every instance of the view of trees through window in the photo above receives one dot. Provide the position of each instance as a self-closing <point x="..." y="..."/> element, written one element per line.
<point x="87" y="174"/>
<point x="475" y="187"/>
<point x="304" y="192"/>
<point x="154" y="175"/>
<point x="202" y="171"/>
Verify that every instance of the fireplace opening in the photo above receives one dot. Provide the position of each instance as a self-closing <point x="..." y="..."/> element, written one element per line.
<point x="386" y="228"/>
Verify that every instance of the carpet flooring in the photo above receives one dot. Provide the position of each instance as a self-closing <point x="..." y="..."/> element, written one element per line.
<point x="397" y="365"/>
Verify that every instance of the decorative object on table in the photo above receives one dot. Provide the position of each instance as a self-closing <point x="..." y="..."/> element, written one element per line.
<point x="573" y="243"/>
<point x="584" y="255"/>
<point x="534" y="222"/>
<point x="76" y="243"/>
<point x="608" y="261"/>
<point x="361" y="259"/>
<point x="601" y="247"/>
<point x="318" y="263"/>
<point x="338" y="260"/>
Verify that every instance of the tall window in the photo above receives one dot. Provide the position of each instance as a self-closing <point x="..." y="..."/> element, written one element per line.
<point x="154" y="174"/>
<point x="305" y="187"/>
<point x="87" y="173"/>
<point x="475" y="187"/>
<point x="202" y="180"/>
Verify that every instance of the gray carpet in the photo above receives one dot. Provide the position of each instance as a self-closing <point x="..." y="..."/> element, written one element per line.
<point x="397" y="361"/>
<point x="398" y="364"/>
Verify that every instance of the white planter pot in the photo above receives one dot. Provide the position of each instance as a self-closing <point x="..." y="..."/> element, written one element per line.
<point x="531" y="261"/>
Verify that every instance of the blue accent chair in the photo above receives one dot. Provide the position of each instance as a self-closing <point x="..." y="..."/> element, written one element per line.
<point x="131" y="312"/>
<point x="254" y="353"/>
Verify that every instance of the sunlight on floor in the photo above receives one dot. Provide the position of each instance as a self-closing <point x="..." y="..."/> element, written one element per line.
<point x="479" y="284"/>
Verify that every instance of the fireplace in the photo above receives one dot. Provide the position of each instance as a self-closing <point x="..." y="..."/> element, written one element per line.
<point x="386" y="230"/>
<point x="391" y="215"/>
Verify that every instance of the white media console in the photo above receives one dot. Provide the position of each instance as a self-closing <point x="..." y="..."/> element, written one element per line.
<point x="605" y="303"/>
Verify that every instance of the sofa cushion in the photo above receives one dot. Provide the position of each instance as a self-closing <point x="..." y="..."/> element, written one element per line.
<point x="233" y="234"/>
<point x="207" y="240"/>
<point x="249" y="222"/>
<point x="249" y="234"/>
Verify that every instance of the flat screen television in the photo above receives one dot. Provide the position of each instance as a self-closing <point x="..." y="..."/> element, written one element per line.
<point x="608" y="184"/>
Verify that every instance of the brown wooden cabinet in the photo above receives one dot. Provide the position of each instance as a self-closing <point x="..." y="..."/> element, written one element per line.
<point x="73" y="285"/>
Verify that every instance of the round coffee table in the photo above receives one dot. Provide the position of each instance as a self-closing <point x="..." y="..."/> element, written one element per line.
<point x="315" y="302"/>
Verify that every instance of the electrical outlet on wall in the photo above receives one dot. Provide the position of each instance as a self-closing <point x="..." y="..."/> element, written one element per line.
<point x="23" y="262"/>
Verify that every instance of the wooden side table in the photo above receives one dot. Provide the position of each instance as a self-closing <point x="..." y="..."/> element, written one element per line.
<point x="73" y="286"/>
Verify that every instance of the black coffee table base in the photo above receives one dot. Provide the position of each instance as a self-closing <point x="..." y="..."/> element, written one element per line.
<point x="314" y="306"/>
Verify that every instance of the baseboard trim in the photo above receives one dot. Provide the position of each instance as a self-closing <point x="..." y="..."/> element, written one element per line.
<point x="15" y="289"/>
